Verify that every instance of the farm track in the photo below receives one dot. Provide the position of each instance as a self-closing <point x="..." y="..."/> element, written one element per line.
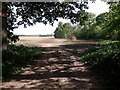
<point x="58" y="68"/>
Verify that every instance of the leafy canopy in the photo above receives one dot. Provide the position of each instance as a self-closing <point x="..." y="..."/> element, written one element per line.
<point x="63" y="30"/>
<point x="110" y="21"/>
<point x="29" y="13"/>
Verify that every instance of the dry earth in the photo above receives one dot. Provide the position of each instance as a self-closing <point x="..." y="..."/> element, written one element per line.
<point x="49" y="41"/>
<point x="58" y="68"/>
<point x="41" y="41"/>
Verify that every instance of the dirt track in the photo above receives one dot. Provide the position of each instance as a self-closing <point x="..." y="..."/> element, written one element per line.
<point x="58" y="68"/>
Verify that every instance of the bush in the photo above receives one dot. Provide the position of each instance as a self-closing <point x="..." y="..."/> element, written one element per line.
<point x="106" y="62"/>
<point x="17" y="57"/>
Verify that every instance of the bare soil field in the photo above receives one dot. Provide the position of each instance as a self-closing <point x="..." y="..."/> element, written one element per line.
<point x="49" y="41"/>
<point x="40" y="41"/>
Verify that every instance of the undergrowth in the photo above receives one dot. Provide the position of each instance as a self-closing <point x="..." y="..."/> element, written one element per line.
<point x="105" y="61"/>
<point x="15" y="58"/>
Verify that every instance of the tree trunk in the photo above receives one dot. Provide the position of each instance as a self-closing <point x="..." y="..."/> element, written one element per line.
<point x="4" y="26"/>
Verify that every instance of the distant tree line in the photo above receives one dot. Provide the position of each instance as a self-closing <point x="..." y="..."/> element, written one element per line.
<point x="47" y="35"/>
<point x="104" y="26"/>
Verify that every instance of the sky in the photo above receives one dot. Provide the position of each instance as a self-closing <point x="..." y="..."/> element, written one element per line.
<point x="41" y="29"/>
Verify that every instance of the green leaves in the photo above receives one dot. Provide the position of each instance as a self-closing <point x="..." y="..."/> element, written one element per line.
<point x="110" y="21"/>
<point x="44" y="12"/>
<point x="17" y="57"/>
<point x="106" y="62"/>
<point x="63" y="30"/>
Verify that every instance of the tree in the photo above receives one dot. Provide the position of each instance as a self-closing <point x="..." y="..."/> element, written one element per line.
<point x="110" y="21"/>
<point x="58" y="33"/>
<point x="46" y="12"/>
<point x="89" y="20"/>
<point x="102" y="20"/>
<point x="114" y="24"/>
<point x="87" y="30"/>
<point x="4" y="21"/>
<point x="63" y="30"/>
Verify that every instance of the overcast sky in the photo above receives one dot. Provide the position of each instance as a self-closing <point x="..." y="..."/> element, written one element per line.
<point x="97" y="8"/>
